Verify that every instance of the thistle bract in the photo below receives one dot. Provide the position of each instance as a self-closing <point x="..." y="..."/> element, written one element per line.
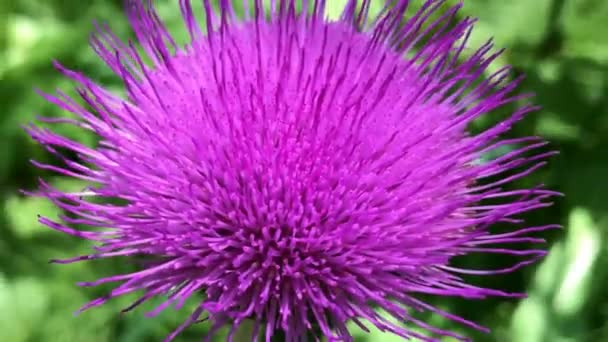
<point x="297" y="172"/>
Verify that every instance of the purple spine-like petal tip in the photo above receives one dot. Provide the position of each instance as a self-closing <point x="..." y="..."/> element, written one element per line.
<point x="301" y="173"/>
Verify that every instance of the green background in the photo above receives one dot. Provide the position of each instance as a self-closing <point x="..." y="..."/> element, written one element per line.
<point x="562" y="46"/>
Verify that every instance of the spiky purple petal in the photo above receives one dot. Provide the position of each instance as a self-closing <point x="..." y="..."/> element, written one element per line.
<point x="299" y="172"/>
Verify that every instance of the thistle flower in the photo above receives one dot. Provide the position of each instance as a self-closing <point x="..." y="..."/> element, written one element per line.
<point x="297" y="172"/>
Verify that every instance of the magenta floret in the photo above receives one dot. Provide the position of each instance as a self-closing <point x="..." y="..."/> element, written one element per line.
<point x="299" y="172"/>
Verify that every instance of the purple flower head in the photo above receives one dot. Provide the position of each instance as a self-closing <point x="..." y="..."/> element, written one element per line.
<point x="300" y="173"/>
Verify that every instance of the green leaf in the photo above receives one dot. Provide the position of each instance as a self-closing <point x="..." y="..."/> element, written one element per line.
<point x="582" y="249"/>
<point x="22" y="214"/>
<point x="23" y="304"/>
<point x="585" y="30"/>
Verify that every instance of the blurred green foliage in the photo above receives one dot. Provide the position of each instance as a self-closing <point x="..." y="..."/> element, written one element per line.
<point x="562" y="46"/>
